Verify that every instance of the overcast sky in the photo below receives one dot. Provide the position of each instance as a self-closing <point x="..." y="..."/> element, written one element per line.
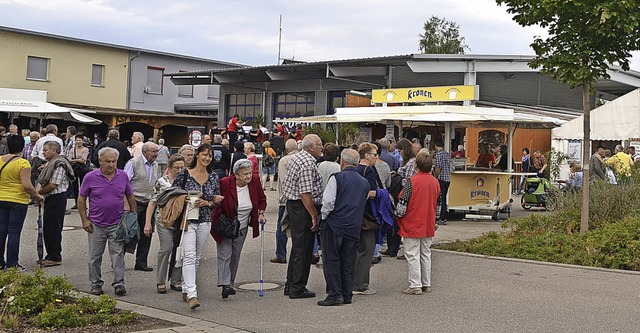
<point x="246" y="31"/>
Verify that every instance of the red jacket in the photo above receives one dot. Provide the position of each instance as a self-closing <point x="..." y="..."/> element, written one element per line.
<point x="420" y="219"/>
<point x="228" y="190"/>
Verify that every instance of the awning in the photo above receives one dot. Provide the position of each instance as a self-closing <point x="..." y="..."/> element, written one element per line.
<point x="32" y="103"/>
<point x="461" y="115"/>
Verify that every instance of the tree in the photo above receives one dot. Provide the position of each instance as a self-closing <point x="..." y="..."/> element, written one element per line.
<point x="441" y="37"/>
<point x="585" y="38"/>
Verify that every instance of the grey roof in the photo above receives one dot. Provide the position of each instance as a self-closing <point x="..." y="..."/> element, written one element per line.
<point x="620" y="83"/>
<point x="398" y="60"/>
<point x="113" y="46"/>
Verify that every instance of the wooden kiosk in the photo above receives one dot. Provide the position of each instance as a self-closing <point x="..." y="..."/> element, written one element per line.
<point x="474" y="191"/>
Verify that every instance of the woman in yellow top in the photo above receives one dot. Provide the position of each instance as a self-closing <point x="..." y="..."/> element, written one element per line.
<point x="15" y="188"/>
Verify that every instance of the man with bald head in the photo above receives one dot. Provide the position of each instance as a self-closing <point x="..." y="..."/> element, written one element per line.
<point x="302" y="188"/>
<point x="143" y="172"/>
<point x="343" y="205"/>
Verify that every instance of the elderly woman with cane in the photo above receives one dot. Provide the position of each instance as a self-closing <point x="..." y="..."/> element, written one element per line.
<point x="245" y="200"/>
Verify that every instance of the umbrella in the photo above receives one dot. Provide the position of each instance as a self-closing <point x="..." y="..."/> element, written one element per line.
<point x="261" y="256"/>
<point x="40" y="235"/>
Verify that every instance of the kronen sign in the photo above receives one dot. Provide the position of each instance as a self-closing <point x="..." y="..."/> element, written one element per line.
<point x="425" y="94"/>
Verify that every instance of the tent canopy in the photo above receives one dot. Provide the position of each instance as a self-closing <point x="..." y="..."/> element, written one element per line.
<point x="615" y="121"/>
<point x="460" y="115"/>
<point x="32" y="103"/>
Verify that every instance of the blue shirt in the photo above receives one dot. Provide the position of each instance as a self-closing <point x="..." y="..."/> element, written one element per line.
<point x="443" y="161"/>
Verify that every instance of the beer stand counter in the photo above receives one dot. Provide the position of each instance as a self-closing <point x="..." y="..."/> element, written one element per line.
<point x="478" y="192"/>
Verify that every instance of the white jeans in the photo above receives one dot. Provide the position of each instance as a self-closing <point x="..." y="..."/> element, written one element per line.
<point x="195" y="239"/>
<point x="418" y="254"/>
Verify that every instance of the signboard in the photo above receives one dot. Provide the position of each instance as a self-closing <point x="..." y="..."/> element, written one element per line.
<point x="425" y="94"/>
<point x="195" y="135"/>
<point x="575" y="150"/>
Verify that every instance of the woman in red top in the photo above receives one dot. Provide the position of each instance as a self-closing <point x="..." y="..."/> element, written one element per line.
<point x="244" y="199"/>
<point x="416" y="211"/>
<point x="232" y="128"/>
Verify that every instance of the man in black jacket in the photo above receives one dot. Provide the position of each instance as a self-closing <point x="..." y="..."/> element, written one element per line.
<point x="113" y="142"/>
<point x="221" y="158"/>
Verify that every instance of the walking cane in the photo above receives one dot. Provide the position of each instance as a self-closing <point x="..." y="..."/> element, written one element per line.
<point x="261" y="256"/>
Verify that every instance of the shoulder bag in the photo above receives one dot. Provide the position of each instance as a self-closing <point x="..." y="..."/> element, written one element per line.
<point x="369" y="222"/>
<point x="227" y="227"/>
<point x="7" y="162"/>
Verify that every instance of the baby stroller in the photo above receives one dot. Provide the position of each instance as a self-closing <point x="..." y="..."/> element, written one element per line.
<point x="539" y="193"/>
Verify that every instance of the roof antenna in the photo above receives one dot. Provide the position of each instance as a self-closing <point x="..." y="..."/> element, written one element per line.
<point x="279" y="40"/>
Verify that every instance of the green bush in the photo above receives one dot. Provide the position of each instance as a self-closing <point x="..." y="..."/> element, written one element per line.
<point x="49" y="303"/>
<point x="613" y="240"/>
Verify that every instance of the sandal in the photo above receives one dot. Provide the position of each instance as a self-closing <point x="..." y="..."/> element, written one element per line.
<point x="176" y="287"/>
<point x="162" y="288"/>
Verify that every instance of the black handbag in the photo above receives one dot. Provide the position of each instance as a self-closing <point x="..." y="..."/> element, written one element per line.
<point x="227" y="227"/>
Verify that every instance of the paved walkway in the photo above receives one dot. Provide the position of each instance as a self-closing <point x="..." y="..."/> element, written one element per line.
<point x="470" y="293"/>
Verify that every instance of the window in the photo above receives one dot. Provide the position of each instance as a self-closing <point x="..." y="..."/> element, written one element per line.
<point x="154" y="80"/>
<point x="293" y="104"/>
<point x="337" y="99"/>
<point x="37" y="68"/>
<point x="185" y="90"/>
<point x="245" y="105"/>
<point x="97" y="72"/>
<point x="213" y="92"/>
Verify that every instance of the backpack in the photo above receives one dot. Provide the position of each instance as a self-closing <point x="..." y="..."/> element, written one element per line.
<point x="268" y="160"/>
<point x="395" y="187"/>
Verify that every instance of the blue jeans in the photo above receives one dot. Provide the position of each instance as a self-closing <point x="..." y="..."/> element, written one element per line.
<point x="281" y="237"/>
<point x="12" y="217"/>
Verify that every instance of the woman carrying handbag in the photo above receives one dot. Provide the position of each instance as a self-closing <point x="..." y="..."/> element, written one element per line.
<point x="244" y="200"/>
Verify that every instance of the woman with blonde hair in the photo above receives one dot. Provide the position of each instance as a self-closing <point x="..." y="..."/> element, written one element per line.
<point x="165" y="234"/>
<point x="250" y="152"/>
<point x="268" y="166"/>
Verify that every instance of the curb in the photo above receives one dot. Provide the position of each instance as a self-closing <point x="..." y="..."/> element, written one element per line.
<point x="189" y="324"/>
<point x="544" y="263"/>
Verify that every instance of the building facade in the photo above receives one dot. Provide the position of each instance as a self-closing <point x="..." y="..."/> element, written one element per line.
<point x="125" y="87"/>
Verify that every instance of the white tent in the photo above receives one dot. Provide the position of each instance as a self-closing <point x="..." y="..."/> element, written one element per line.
<point x="33" y="103"/>
<point x="617" y="120"/>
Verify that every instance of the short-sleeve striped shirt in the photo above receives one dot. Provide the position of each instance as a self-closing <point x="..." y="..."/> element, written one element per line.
<point x="303" y="177"/>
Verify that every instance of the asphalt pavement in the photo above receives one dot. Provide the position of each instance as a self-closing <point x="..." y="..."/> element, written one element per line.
<point x="470" y="293"/>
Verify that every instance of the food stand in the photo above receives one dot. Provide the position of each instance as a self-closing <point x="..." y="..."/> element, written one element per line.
<point x="475" y="191"/>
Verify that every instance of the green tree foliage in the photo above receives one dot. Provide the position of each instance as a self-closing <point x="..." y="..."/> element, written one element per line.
<point x="585" y="38"/>
<point x="441" y="37"/>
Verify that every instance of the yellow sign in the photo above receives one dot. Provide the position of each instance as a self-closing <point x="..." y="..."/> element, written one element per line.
<point x="425" y="94"/>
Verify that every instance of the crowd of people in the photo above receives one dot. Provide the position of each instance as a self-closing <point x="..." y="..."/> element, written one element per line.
<point x="347" y="202"/>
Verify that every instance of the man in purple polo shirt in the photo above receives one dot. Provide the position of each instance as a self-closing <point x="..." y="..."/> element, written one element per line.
<point x="106" y="189"/>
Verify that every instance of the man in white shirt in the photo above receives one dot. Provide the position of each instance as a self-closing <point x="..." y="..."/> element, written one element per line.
<point x="52" y="135"/>
<point x="137" y="140"/>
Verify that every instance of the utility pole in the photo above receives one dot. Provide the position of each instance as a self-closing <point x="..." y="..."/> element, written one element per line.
<point x="279" y="40"/>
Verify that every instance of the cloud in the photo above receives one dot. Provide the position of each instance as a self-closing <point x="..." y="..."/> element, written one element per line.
<point x="246" y="31"/>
